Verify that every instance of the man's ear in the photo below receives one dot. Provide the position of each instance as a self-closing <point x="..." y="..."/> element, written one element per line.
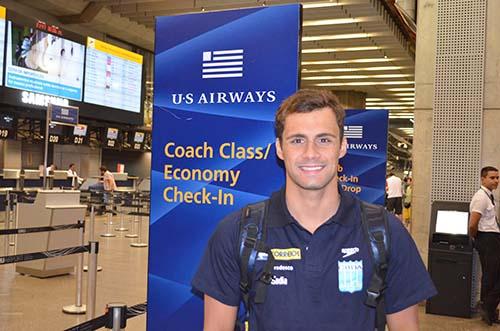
<point x="343" y="148"/>
<point x="279" y="150"/>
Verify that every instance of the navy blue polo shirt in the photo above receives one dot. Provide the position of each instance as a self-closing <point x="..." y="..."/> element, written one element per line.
<point x="319" y="280"/>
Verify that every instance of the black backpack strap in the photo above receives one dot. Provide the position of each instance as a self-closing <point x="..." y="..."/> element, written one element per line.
<point x="376" y="228"/>
<point x="252" y="242"/>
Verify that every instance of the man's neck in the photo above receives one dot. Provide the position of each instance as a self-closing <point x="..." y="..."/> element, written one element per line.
<point x="312" y="208"/>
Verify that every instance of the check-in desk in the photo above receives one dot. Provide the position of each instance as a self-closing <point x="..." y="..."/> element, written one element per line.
<point x="51" y="207"/>
<point x="9" y="181"/>
<point x="124" y="182"/>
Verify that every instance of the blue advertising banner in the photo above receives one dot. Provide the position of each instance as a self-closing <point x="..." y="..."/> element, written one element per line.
<point x="362" y="171"/>
<point x="219" y="78"/>
<point x="66" y="115"/>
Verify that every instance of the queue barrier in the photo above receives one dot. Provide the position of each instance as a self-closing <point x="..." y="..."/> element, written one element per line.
<point x="115" y="317"/>
<point x="92" y="248"/>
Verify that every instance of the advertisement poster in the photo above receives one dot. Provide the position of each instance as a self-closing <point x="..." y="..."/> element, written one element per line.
<point x="217" y="87"/>
<point x="41" y="62"/>
<point x="362" y="171"/>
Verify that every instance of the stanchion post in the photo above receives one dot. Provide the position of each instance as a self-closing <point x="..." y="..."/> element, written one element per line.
<point x="7" y="221"/>
<point x="78" y="307"/>
<point x="139" y="243"/>
<point x="92" y="279"/>
<point x="116" y="316"/>
<point x="92" y="219"/>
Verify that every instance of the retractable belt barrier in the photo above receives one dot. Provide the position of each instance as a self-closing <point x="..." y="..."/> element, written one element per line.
<point x="115" y="316"/>
<point x="41" y="229"/>
<point x="43" y="255"/>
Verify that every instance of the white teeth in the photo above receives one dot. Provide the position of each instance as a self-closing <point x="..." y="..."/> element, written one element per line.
<point x="311" y="168"/>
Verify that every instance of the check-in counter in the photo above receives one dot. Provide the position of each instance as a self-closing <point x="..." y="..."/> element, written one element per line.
<point x="124" y="182"/>
<point x="51" y="207"/>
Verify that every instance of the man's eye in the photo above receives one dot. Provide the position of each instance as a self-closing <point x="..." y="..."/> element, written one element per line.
<point x="297" y="141"/>
<point x="324" y="140"/>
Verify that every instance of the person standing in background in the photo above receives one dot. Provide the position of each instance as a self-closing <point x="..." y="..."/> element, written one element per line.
<point x="394" y="194"/>
<point x="72" y="173"/>
<point x="407" y="202"/>
<point x="484" y="230"/>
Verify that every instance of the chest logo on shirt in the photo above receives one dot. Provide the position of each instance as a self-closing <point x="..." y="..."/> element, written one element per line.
<point x="350" y="276"/>
<point x="286" y="254"/>
<point x="349" y="251"/>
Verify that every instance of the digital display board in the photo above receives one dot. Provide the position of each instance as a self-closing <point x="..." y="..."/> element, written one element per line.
<point x="41" y="62"/>
<point x="7" y="123"/>
<point x="113" y="76"/>
<point x="139" y="137"/>
<point x="112" y="133"/>
<point x="80" y="130"/>
<point x="2" y="40"/>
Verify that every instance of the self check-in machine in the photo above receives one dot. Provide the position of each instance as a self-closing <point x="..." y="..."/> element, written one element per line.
<point x="451" y="260"/>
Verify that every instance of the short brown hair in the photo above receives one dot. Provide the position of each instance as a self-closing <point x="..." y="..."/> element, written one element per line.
<point x="306" y="101"/>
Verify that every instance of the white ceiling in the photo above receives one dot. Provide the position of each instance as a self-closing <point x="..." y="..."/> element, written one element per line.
<point x="347" y="44"/>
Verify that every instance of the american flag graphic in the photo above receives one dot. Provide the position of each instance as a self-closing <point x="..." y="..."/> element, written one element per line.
<point x="222" y="64"/>
<point x="353" y="131"/>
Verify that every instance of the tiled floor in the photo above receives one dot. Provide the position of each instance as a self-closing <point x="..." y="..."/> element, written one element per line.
<point x="28" y="303"/>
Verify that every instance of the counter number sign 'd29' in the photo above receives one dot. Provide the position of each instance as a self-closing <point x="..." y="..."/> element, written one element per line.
<point x="217" y="87"/>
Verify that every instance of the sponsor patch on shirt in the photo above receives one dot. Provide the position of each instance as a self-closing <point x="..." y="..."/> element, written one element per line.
<point x="283" y="267"/>
<point x="286" y="254"/>
<point x="261" y="256"/>
<point x="349" y="251"/>
<point x="279" y="281"/>
<point x="350" y="276"/>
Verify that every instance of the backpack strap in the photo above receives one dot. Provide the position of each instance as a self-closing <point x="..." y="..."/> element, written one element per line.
<point x="376" y="228"/>
<point x="252" y="242"/>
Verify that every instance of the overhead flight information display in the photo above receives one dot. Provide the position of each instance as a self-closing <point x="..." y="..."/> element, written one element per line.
<point x="2" y="40"/>
<point x="113" y="76"/>
<point x="41" y="62"/>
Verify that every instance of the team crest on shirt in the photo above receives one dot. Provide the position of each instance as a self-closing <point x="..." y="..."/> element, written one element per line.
<point x="350" y="276"/>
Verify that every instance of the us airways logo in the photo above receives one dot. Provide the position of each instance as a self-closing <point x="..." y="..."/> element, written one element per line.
<point x="222" y="64"/>
<point x="353" y="131"/>
<point x="224" y="97"/>
<point x="356" y="132"/>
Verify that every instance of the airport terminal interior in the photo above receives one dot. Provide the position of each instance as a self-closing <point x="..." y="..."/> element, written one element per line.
<point x="76" y="109"/>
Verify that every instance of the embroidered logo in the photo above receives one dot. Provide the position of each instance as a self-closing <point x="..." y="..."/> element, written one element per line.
<point x="286" y="254"/>
<point x="279" y="281"/>
<point x="349" y="251"/>
<point x="350" y="276"/>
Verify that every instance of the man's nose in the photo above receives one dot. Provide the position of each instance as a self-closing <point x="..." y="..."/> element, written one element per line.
<point x="311" y="150"/>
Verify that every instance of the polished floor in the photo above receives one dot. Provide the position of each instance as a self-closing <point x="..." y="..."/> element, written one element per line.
<point x="29" y="303"/>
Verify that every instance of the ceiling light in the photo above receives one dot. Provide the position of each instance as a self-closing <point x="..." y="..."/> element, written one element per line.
<point x="340" y="49"/>
<point x="320" y="5"/>
<point x="374" y="99"/>
<point x="403" y="82"/>
<point x="305" y="70"/>
<point x="412" y="94"/>
<point x="390" y="107"/>
<point x="388" y="103"/>
<point x="401" y="89"/>
<point x="337" y="36"/>
<point x="367" y="60"/>
<point x="357" y="76"/>
<point x="332" y="21"/>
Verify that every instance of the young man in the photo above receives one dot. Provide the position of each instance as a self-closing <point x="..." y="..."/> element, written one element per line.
<point x="483" y="227"/>
<point x="316" y="228"/>
<point x="394" y="194"/>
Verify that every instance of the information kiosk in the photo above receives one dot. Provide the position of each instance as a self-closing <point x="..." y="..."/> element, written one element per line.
<point x="451" y="260"/>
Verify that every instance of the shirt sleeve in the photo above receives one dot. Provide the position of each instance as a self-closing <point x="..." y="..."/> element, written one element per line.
<point x="408" y="281"/>
<point x="218" y="275"/>
<point x="478" y="205"/>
